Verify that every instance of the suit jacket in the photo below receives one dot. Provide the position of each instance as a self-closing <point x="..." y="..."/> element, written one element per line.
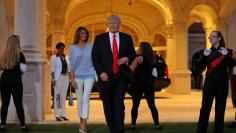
<point x="102" y="54"/>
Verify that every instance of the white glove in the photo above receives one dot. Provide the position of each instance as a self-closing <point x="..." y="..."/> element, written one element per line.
<point x="23" y="67"/>
<point x="207" y="52"/>
<point x="223" y="51"/>
<point x="154" y="72"/>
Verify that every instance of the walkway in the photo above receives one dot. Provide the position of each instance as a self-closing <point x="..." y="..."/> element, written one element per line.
<point x="172" y="108"/>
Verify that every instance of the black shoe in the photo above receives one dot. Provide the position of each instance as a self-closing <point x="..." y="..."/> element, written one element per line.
<point x="24" y="129"/>
<point x="158" y="127"/>
<point x="232" y="125"/>
<point x="64" y="118"/>
<point x="132" y="127"/>
<point x="2" y="129"/>
<point x="58" y="119"/>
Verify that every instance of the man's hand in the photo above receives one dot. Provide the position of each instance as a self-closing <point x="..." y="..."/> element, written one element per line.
<point x="103" y="76"/>
<point x="123" y="60"/>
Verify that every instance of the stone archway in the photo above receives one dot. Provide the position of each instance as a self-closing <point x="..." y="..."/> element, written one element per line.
<point x="207" y="16"/>
<point x="161" y="6"/>
<point x="127" y="21"/>
<point x="133" y="21"/>
<point x="228" y="8"/>
<point x="202" y="20"/>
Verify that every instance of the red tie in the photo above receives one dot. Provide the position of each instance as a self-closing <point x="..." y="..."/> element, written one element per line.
<point x="115" y="55"/>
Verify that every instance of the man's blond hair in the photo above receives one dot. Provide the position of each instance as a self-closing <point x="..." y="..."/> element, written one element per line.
<point x="113" y="17"/>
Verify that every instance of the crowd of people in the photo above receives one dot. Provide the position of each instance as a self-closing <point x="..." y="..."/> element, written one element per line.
<point x="112" y="58"/>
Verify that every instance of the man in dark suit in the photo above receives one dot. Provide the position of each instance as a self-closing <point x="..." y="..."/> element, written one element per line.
<point x="111" y="53"/>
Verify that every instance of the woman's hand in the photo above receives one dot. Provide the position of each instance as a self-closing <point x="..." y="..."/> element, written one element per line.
<point x="53" y="82"/>
<point x="73" y="84"/>
<point x="138" y="60"/>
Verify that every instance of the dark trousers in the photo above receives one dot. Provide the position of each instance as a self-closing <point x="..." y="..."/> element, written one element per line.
<point x="219" y="91"/>
<point x="17" y="93"/>
<point x="233" y="89"/>
<point x="113" y="105"/>
<point x="149" y="95"/>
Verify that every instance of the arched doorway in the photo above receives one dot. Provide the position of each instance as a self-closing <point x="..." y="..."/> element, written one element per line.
<point x="202" y="20"/>
<point x="196" y="42"/>
<point x="159" y="45"/>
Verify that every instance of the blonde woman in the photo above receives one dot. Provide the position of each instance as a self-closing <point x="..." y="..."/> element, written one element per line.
<point x="14" y="65"/>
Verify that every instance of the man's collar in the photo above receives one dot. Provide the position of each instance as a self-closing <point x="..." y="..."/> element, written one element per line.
<point x="111" y="34"/>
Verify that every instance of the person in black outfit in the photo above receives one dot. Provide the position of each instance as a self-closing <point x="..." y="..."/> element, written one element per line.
<point x="217" y="59"/>
<point x="196" y="71"/>
<point x="233" y="92"/>
<point x="143" y="82"/>
<point x="111" y="53"/>
<point x="14" y="65"/>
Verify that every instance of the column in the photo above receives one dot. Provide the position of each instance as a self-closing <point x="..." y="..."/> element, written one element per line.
<point x="58" y="32"/>
<point x="31" y="27"/>
<point x="3" y="25"/>
<point x="223" y="26"/>
<point x="177" y="59"/>
<point x="10" y="20"/>
<point x="171" y="47"/>
<point x="208" y="28"/>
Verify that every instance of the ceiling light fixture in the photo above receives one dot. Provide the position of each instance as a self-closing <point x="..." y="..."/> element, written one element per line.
<point x="131" y="2"/>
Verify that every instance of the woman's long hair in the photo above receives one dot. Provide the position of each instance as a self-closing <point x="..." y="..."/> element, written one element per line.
<point x="77" y="34"/>
<point x="10" y="55"/>
<point x="147" y="52"/>
<point x="222" y="41"/>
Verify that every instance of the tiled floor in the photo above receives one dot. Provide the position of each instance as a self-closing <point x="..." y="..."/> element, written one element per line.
<point x="172" y="108"/>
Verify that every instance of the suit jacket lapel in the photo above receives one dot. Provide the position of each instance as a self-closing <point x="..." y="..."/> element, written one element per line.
<point x="121" y="45"/>
<point x="108" y="45"/>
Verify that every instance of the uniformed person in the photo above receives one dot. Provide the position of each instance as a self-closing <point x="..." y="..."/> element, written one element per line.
<point x="217" y="59"/>
<point x="233" y="92"/>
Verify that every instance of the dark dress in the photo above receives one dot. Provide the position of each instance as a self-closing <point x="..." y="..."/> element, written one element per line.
<point x="215" y="86"/>
<point x="11" y="84"/>
<point x="143" y="84"/>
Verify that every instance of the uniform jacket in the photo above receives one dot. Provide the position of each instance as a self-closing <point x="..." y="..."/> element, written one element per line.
<point x="220" y="71"/>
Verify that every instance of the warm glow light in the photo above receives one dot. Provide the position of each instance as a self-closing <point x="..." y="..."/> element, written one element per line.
<point x="131" y="2"/>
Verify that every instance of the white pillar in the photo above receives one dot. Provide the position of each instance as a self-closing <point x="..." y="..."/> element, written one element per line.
<point x="171" y="48"/>
<point x="177" y="59"/>
<point x="58" y="31"/>
<point x="10" y="20"/>
<point x="30" y="26"/>
<point x="223" y="26"/>
<point x="232" y="32"/>
<point x="3" y="25"/>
